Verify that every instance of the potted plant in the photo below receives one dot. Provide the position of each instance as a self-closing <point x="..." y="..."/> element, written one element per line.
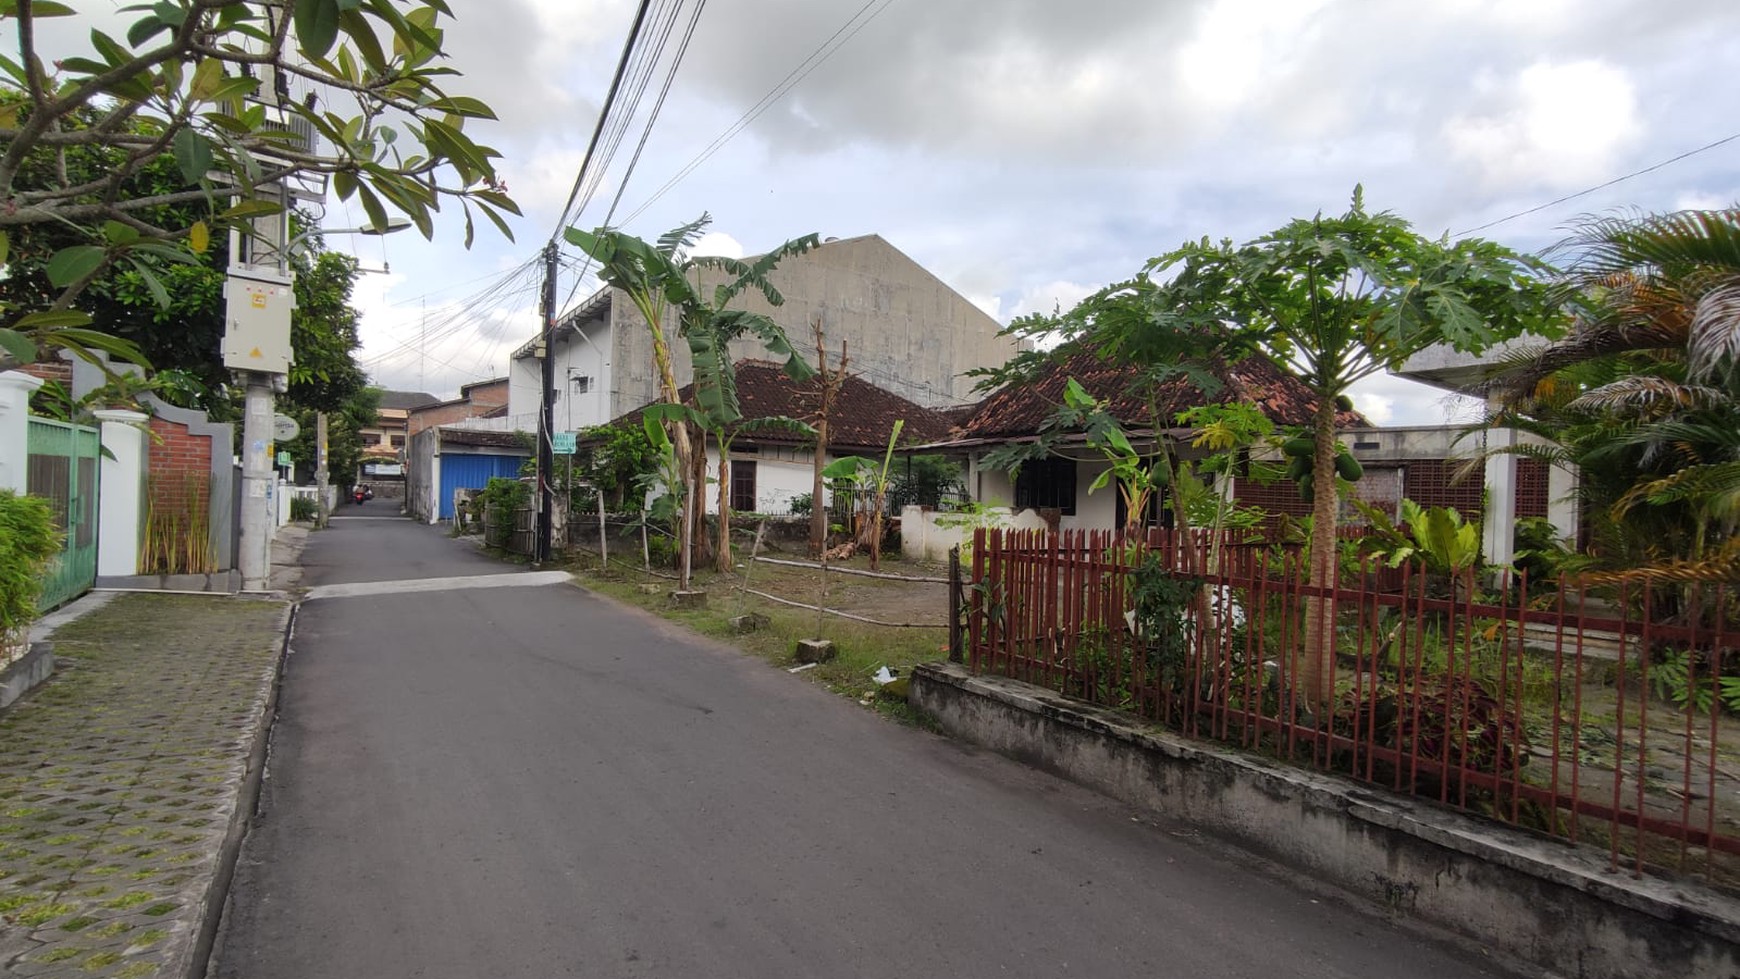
<point x="28" y="542"/>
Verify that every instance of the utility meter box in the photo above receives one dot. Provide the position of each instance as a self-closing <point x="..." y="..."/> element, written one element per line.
<point x="257" y="320"/>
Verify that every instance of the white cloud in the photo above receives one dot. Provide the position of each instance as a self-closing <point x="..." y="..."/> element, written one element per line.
<point x="1552" y="125"/>
<point x="1387" y="400"/>
<point x="1050" y="296"/>
<point x="717" y="243"/>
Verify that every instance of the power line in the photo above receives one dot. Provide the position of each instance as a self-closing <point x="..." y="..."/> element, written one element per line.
<point x="645" y="134"/>
<point x="815" y="60"/>
<point x="1584" y="193"/>
<point x="603" y="114"/>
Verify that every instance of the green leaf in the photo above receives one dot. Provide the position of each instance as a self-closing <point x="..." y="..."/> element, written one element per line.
<point x="460" y="105"/>
<point x="206" y="79"/>
<point x="153" y="284"/>
<point x="143" y="29"/>
<point x="361" y="32"/>
<point x="251" y="208"/>
<point x="317" y="26"/>
<point x="54" y="319"/>
<point x="5" y="247"/>
<point x="81" y="341"/>
<point x="116" y="233"/>
<point x="72" y="264"/>
<point x="18" y="345"/>
<point x="194" y="155"/>
<point x="847" y="467"/>
<point x="41" y="8"/>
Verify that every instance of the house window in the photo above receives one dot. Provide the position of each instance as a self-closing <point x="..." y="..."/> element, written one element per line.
<point x="742" y="486"/>
<point x="1046" y="484"/>
<point x="582" y="383"/>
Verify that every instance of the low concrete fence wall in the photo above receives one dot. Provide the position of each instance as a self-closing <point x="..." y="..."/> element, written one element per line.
<point x="1544" y="902"/>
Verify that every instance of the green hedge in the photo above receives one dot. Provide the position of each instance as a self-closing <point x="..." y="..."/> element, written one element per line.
<point x="28" y="541"/>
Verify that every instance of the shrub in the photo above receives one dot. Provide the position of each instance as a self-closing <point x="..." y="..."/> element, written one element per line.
<point x="494" y="507"/>
<point x="801" y="505"/>
<point x="303" y="508"/>
<point x="28" y="542"/>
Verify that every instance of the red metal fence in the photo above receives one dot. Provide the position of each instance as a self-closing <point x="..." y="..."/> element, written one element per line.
<point x="1563" y="709"/>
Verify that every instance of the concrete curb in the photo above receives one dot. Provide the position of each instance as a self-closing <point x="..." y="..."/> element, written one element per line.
<point x="217" y="896"/>
<point x="1539" y="900"/>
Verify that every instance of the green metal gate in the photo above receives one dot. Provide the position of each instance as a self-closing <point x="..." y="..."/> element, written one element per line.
<point x="63" y="468"/>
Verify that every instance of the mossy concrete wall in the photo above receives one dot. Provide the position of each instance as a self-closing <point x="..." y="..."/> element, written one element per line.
<point x="1539" y="901"/>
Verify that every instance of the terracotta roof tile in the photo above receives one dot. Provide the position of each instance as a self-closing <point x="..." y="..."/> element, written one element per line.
<point x="1020" y="409"/>
<point x="863" y="414"/>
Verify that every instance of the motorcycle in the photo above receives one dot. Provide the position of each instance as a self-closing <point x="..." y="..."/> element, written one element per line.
<point x="358" y="495"/>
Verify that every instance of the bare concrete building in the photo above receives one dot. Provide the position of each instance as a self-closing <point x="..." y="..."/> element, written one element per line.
<point x="907" y="331"/>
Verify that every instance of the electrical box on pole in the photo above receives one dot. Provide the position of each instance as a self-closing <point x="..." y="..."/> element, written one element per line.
<point x="257" y="304"/>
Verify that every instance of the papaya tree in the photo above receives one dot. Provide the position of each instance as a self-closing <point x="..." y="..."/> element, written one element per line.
<point x="1340" y="299"/>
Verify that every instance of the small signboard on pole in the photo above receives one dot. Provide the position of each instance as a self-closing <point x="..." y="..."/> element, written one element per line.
<point x="564" y="443"/>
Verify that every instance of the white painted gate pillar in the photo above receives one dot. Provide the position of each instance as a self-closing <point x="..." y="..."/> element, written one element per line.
<point x="16" y="387"/>
<point x="121" y="495"/>
<point x="1562" y="504"/>
<point x="1498" y="538"/>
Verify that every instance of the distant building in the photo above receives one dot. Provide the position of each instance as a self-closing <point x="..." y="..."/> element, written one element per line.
<point x="478" y="399"/>
<point x="383" y="460"/>
<point x="906" y="331"/>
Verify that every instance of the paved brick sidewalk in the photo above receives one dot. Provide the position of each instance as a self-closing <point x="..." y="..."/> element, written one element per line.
<point x="118" y="780"/>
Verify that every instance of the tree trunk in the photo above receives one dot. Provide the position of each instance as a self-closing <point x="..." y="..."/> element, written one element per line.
<point x="699" y="544"/>
<point x="685" y="540"/>
<point x="818" y="512"/>
<point x="876" y="531"/>
<point x="1316" y="679"/>
<point x="722" y="556"/>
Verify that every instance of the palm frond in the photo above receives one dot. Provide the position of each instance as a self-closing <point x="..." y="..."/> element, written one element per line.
<point x="1714" y="336"/>
<point x="1645" y="392"/>
<point x="680" y="238"/>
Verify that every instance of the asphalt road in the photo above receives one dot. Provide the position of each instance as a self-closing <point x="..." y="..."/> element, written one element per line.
<point x="536" y="782"/>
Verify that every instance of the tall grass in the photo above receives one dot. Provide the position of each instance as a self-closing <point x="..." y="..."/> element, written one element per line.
<point x="177" y="525"/>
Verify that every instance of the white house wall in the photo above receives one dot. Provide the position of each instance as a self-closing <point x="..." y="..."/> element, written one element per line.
<point x="780" y="474"/>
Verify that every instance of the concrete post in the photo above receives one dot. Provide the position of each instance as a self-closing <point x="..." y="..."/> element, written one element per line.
<point x="121" y="498"/>
<point x="16" y="387"/>
<point x="1562" y="500"/>
<point x="1498" y="533"/>
<point x="259" y="515"/>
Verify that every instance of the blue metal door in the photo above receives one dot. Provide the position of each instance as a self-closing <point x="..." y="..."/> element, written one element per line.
<point x="472" y="472"/>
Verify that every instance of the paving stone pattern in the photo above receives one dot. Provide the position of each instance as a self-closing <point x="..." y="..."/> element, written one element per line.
<point x="118" y="779"/>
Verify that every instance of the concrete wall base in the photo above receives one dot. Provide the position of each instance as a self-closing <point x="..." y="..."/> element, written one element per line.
<point x="23" y="674"/>
<point x="1546" y="902"/>
<point x="217" y="583"/>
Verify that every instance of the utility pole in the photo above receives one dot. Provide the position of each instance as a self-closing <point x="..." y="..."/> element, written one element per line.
<point x="321" y="477"/>
<point x="258" y="299"/>
<point x="546" y="413"/>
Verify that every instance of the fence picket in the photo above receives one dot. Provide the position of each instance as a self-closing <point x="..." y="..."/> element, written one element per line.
<point x="1442" y="687"/>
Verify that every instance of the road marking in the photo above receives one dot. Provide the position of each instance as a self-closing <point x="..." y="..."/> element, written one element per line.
<point x="399" y="519"/>
<point x="359" y="589"/>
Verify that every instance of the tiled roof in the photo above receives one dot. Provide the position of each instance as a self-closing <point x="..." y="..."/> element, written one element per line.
<point x="863" y="414"/>
<point x="406" y="400"/>
<point x="1020" y="409"/>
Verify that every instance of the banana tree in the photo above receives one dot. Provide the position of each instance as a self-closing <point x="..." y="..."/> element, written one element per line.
<point x="867" y="474"/>
<point x="664" y="284"/>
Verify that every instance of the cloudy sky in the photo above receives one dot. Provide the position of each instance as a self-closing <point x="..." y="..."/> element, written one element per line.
<point x="1029" y="151"/>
